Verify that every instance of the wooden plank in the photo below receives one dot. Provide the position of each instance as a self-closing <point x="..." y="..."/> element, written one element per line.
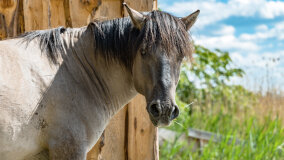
<point x="56" y="13"/>
<point x="109" y="9"/>
<point x="115" y="135"/>
<point x="142" y="135"/>
<point x="112" y="143"/>
<point x="80" y="11"/>
<point x="7" y="8"/>
<point x="8" y="18"/>
<point x="36" y="14"/>
<point x="155" y="4"/>
<point x="44" y="14"/>
<point x="3" y="27"/>
<point x="195" y="138"/>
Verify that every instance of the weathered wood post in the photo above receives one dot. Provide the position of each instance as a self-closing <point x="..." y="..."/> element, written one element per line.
<point x="130" y="134"/>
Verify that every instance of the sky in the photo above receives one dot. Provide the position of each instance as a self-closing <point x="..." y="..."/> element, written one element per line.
<point x="252" y="31"/>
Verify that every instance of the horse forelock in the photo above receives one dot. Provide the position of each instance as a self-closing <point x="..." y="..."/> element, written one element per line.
<point x="168" y="31"/>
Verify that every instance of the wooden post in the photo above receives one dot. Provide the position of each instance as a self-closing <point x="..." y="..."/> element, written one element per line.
<point x="155" y="5"/>
<point x="8" y="18"/>
<point x="142" y="135"/>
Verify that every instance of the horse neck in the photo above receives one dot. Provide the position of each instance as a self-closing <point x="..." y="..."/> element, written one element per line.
<point x="109" y="82"/>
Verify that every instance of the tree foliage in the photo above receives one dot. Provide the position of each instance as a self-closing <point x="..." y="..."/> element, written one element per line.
<point x="207" y="80"/>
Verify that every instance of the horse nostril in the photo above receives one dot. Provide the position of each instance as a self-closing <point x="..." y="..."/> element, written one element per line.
<point x="155" y="110"/>
<point x="175" y="112"/>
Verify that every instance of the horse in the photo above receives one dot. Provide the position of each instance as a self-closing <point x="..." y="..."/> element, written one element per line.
<point x="60" y="87"/>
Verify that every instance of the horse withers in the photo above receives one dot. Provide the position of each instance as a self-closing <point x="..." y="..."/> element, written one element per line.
<point x="60" y="87"/>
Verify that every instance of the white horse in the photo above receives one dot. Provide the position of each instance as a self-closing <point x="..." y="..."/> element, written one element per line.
<point x="59" y="88"/>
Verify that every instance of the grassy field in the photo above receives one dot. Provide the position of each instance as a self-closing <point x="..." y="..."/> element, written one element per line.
<point x="261" y="135"/>
<point x="256" y="119"/>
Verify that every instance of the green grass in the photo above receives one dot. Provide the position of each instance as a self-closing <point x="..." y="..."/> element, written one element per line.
<point x="262" y="138"/>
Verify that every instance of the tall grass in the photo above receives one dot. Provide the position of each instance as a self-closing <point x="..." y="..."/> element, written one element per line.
<point x="262" y="137"/>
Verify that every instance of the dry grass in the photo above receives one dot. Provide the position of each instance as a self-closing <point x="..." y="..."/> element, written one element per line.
<point x="271" y="104"/>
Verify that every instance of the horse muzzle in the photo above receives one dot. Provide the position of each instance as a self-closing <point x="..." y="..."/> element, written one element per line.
<point x="162" y="113"/>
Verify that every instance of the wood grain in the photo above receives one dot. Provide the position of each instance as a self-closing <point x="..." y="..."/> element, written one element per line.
<point x="8" y="18"/>
<point x="36" y="14"/>
<point x="80" y="11"/>
<point x="142" y="134"/>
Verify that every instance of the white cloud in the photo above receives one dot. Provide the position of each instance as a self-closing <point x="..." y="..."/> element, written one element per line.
<point x="261" y="28"/>
<point x="226" y="42"/>
<point x="272" y="9"/>
<point x="225" y="39"/>
<point x="225" y="30"/>
<point x="255" y="36"/>
<point x="277" y="31"/>
<point x="212" y="11"/>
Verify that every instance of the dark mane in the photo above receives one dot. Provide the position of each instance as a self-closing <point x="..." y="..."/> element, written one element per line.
<point x="117" y="39"/>
<point x="49" y="41"/>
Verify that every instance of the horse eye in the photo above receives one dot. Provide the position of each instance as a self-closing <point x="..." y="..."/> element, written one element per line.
<point x="143" y="52"/>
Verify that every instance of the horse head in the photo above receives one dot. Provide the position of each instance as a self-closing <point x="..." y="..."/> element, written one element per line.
<point x="164" y="42"/>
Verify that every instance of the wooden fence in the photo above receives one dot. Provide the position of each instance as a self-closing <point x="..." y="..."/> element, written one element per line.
<point x="130" y="134"/>
<point x="195" y="138"/>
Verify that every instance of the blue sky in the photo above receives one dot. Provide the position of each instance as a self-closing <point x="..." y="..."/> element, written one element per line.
<point x="252" y="31"/>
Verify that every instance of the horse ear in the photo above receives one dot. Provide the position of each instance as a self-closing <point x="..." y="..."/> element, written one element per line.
<point x="137" y="18"/>
<point x="190" y="20"/>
